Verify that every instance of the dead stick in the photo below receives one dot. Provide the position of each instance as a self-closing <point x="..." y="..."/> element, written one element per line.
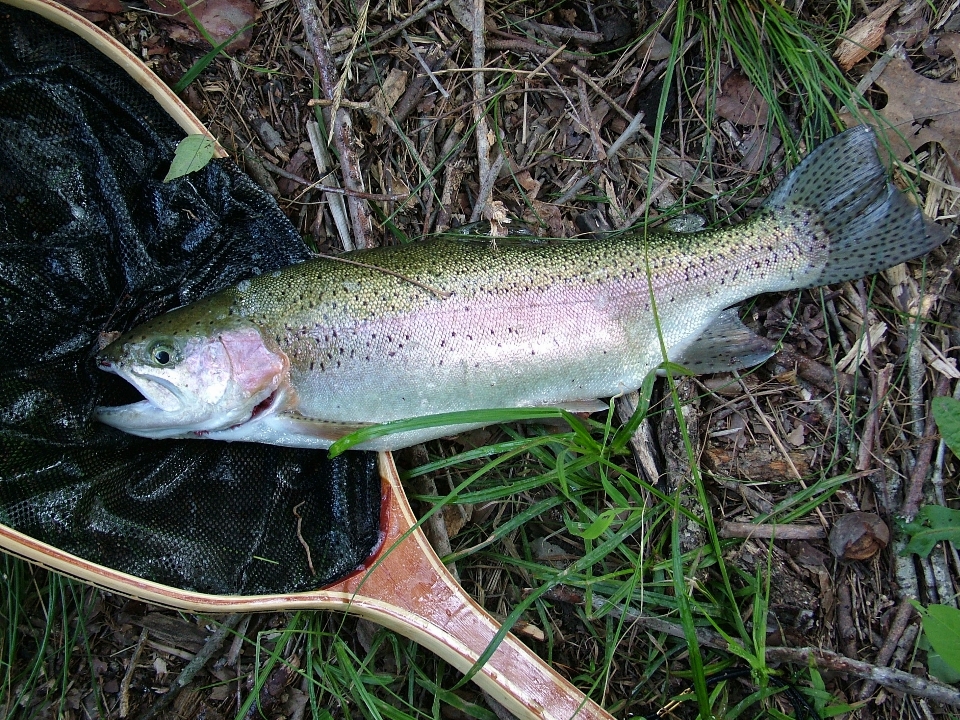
<point x="511" y="42"/>
<point x="212" y="645"/>
<point x="342" y="127"/>
<point x="868" y="440"/>
<point x="479" y="109"/>
<point x="382" y="197"/>
<point x="918" y="476"/>
<point x="406" y="22"/>
<point x="128" y="675"/>
<point x="563" y="33"/>
<point x="846" y="628"/>
<point x="772" y="530"/>
<point x="824" y="659"/>
<point x="904" y="613"/>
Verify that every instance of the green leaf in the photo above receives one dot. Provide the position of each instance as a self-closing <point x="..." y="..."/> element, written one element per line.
<point x="932" y="524"/>
<point x="941" y="625"/>
<point x="192" y="154"/>
<point x="941" y="670"/>
<point x="946" y="411"/>
<point x="598" y="526"/>
<point x="479" y="417"/>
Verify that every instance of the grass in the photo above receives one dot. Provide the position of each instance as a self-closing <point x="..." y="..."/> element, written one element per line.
<point x="44" y="627"/>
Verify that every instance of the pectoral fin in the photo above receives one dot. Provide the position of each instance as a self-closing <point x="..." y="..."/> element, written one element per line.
<point x="291" y="429"/>
<point x="726" y="345"/>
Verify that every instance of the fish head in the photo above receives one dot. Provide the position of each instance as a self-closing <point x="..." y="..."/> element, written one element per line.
<point x="196" y="376"/>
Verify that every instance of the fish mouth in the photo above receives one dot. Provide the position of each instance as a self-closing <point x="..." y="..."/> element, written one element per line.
<point x="162" y="413"/>
<point x="158" y="391"/>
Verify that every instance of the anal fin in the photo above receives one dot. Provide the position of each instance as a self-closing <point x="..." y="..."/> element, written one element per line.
<point x="726" y="345"/>
<point x="581" y="406"/>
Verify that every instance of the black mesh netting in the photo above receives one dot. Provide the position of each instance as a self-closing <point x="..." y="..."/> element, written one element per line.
<point x="91" y="239"/>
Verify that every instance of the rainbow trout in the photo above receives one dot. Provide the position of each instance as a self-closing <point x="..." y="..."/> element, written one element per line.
<point x="302" y="356"/>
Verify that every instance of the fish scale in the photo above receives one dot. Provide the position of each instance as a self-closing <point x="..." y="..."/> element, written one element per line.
<point x="455" y="324"/>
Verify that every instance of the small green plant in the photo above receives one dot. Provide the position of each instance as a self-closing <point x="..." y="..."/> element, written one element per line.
<point x="941" y="630"/>
<point x="946" y="411"/>
<point x="932" y="524"/>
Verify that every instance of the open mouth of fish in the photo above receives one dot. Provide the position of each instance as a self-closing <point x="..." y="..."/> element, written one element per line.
<point x="165" y="410"/>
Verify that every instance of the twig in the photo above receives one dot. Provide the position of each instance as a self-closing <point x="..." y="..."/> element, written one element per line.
<point x="233" y="654"/>
<point x="599" y="91"/>
<point x="406" y="22"/>
<point x="429" y="288"/>
<point x="340" y="120"/>
<point x="818" y="374"/>
<point x="837" y="325"/>
<point x="589" y="121"/>
<point x="479" y="93"/>
<point x="510" y="42"/>
<point x="918" y="475"/>
<point x="871" y="426"/>
<point x="888" y="677"/>
<point x="765" y="531"/>
<point x="303" y="543"/>
<point x="212" y="646"/>
<point x="562" y="33"/>
<point x="337" y="207"/>
<point x="436" y="525"/>
<point x="632" y="129"/>
<point x="311" y="184"/>
<point x="903" y="616"/>
<point x="896" y="680"/>
<point x="641" y="442"/>
<point x="427" y="67"/>
<point x="847" y="630"/>
<point x="128" y="675"/>
<point x="487" y="182"/>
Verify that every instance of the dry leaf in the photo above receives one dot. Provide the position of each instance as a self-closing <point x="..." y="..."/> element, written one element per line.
<point x="220" y="18"/>
<point x="739" y="101"/>
<point x="949" y="43"/>
<point x="550" y="215"/>
<point x="658" y="47"/>
<point x="858" y="536"/>
<point x="920" y="109"/>
<point x="496" y="214"/>
<point x="392" y="89"/>
<point x="864" y="37"/>
<point x="530" y="185"/>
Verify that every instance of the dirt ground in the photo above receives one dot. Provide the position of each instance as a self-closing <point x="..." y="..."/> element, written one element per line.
<point x="561" y="147"/>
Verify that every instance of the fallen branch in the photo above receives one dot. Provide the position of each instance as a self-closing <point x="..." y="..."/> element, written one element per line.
<point x="342" y="127"/>
<point x="896" y="680"/>
<point x="479" y="108"/>
<point x="905" y="613"/>
<point x="766" y="531"/>
<point x="212" y="646"/>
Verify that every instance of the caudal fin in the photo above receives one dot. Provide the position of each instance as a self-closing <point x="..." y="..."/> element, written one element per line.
<point x="866" y="222"/>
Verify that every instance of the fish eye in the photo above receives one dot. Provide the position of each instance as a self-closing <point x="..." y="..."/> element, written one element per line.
<point x="161" y="353"/>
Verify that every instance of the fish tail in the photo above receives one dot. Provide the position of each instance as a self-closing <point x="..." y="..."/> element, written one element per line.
<point x="840" y="198"/>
